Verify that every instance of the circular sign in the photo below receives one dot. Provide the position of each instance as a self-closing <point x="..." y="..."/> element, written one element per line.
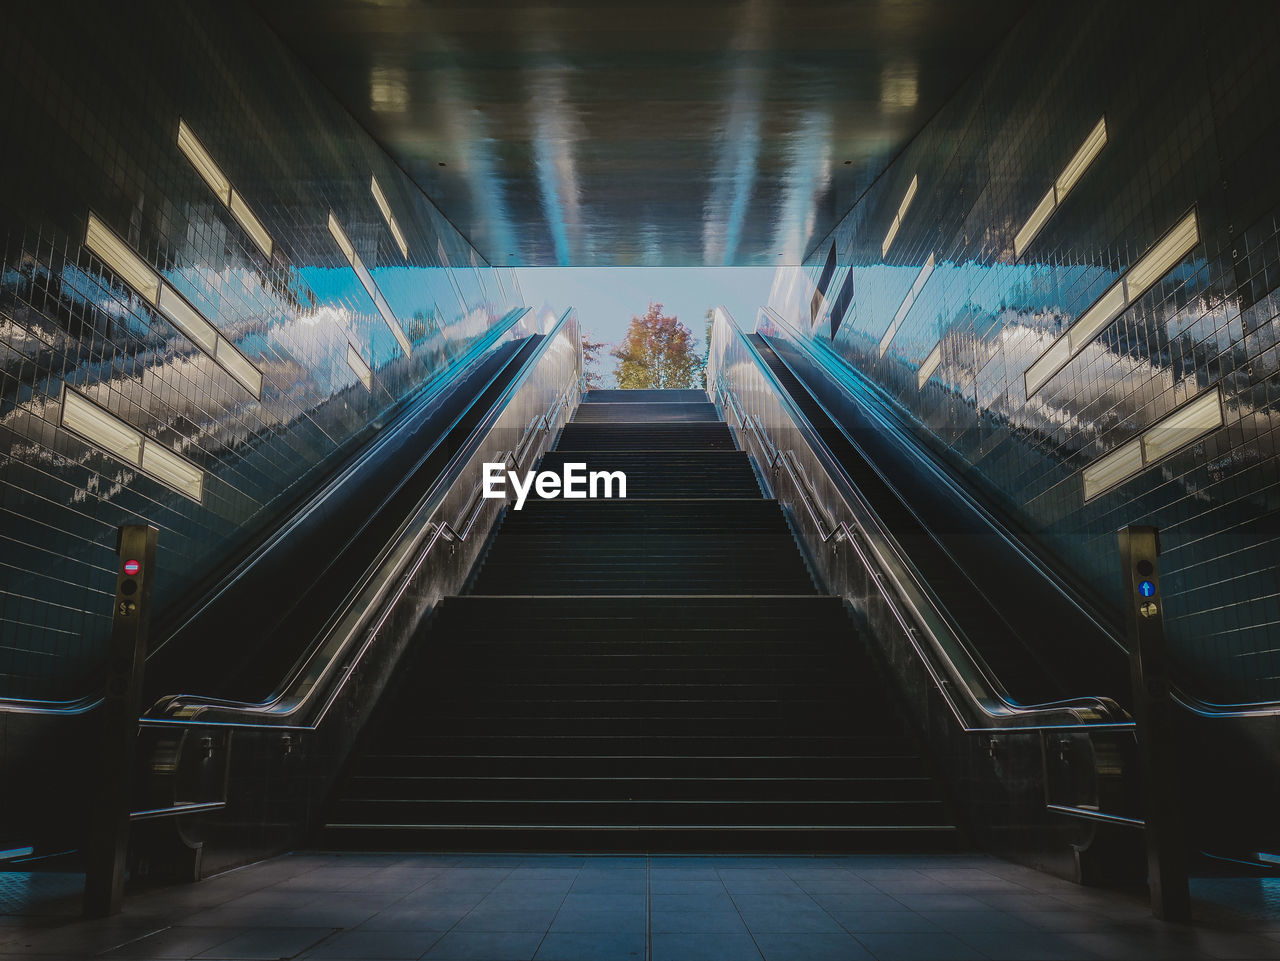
<point x="1146" y="589"/>
<point x="132" y="567"/>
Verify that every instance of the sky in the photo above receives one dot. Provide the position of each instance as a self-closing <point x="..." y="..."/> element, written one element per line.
<point x="608" y="297"/>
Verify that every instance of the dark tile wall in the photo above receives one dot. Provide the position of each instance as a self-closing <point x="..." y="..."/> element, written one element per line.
<point x="92" y="95"/>
<point x="1189" y="92"/>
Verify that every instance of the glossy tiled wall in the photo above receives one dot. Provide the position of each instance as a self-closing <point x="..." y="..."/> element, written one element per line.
<point x="93" y="95"/>
<point x="1189" y="96"/>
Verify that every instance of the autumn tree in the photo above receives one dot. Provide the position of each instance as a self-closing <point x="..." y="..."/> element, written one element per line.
<point x="592" y="378"/>
<point x="657" y="352"/>
<point x="706" y="345"/>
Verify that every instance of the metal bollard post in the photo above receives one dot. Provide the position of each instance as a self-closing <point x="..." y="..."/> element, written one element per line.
<point x="1154" y="715"/>
<point x="112" y="786"/>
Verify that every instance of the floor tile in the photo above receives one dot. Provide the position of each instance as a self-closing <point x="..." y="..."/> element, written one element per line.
<point x="507" y="919"/>
<point x="872" y="922"/>
<point x="174" y="943"/>
<point x="776" y="946"/>
<point x="384" y="945"/>
<point x="583" y="946"/>
<point x="704" y="947"/>
<point x="485" y="946"/>
<point x="696" y="922"/>
<point x="1015" y="946"/>
<point x="934" y="946"/>
<point x="596" y="921"/>
<point x="858" y="902"/>
<point x="267" y="944"/>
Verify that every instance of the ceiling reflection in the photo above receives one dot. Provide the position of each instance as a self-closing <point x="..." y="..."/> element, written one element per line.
<point x="643" y="134"/>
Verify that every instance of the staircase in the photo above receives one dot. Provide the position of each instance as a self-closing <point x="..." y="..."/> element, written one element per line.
<point x="656" y="673"/>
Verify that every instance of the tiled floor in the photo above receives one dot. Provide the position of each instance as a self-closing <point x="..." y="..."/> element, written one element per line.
<point x="558" y="908"/>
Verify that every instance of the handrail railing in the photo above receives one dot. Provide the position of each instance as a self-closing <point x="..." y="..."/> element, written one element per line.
<point x="965" y="683"/>
<point x="884" y="413"/>
<point x="332" y="664"/>
<point x="88" y="702"/>
<point x="1189" y="702"/>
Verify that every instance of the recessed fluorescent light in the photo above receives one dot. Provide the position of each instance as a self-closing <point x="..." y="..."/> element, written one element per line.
<point x="1162" y="257"/>
<point x="1070" y="175"/>
<point x="107" y="431"/>
<point x="252" y="226"/>
<point x="1044" y="210"/>
<point x="366" y="280"/>
<point x="204" y="335"/>
<point x="119" y="256"/>
<point x="904" y="308"/>
<point x="385" y="207"/>
<point x="1176" y="430"/>
<point x="1168" y="252"/>
<point x="357" y="364"/>
<point x="238" y="366"/>
<point x="930" y="364"/>
<point x="1097" y="318"/>
<point x="340" y="236"/>
<point x="100" y="427"/>
<point x="212" y="174"/>
<point x="898" y="217"/>
<point x="1050" y="362"/>
<point x="1184" y="426"/>
<point x="188" y="320"/>
<point x="1078" y="164"/>
<point x="1111" y="469"/>
<point x="204" y="164"/>
<point x="166" y="466"/>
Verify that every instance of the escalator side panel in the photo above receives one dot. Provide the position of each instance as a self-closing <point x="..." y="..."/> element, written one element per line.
<point x="1039" y="646"/>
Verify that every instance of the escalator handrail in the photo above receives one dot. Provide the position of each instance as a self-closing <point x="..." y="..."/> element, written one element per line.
<point x="330" y="663"/>
<point x="884" y="410"/>
<point x="410" y="406"/>
<point x="952" y="665"/>
<point x="884" y="414"/>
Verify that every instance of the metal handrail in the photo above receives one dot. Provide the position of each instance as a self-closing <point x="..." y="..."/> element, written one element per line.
<point x="1189" y="702"/>
<point x="1019" y="717"/>
<point x="184" y="708"/>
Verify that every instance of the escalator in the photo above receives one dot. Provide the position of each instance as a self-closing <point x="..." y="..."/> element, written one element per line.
<point x="245" y="635"/>
<point x="1039" y="647"/>
<point x="655" y="673"/>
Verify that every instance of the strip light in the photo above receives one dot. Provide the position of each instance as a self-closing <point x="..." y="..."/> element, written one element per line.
<point x="366" y="279"/>
<point x="930" y="364"/>
<point x="212" y="174"/>
<point x="388" y="216"/>
<point x="1171" y="433"/>
<point x="1056" y="193"/>
<point x="125" y="443"/>
<point x="117" y="255"/>
<point x="1135" y="282"/>
<point x="1184" y="426"/>
<point x="1111" y="469"/>
<point x="362" y="370"/>
<point x="898" y="217"/>
<point x="238" y="366"/>
<point x="922" y="278"/>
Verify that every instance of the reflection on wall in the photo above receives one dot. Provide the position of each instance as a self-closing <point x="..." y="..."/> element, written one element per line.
<point x="213" y="164"/>
<point x="1141" y="312"/>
